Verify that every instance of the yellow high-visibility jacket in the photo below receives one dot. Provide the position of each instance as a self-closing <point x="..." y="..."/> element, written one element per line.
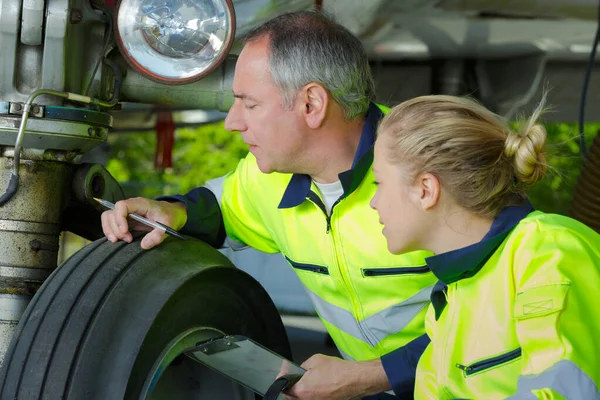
<point x="371" y="301"/>
<point x="517" y="314"/>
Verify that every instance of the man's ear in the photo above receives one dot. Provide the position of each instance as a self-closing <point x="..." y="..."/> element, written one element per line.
<point x="315" y="100"/>
<point x="429" y="189"/>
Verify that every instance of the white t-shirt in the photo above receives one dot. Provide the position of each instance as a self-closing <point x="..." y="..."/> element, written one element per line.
<point x="330" y="193"/>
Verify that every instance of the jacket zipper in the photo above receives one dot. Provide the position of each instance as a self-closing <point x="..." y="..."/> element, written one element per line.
<point x="312" y="196"/>
<point x="395" y="271"/>
<point x="309" y="267"/>
<point x="490" y="362"/>
<point x="443" y="352"/>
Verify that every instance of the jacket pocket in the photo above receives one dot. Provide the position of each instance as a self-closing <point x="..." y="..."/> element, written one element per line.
<point x="489" y="363"/>
<point x="395" y="271"/>
<point x="309" y="267"/>
<point x="540" y="300"/>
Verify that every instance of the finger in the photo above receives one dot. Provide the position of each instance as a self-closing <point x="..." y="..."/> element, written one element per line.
<point x="113" y="231"/>
<point x="113" y="226"/>
<point x="127" y="237"/>
<point x="296" y="391"/>
<point x="106" y="227"/>
<point x="139" y="205"/>
<point x="143" y="207"/>
<point x="154" y="238"/>
<point x="290" y="393"/>
<point x="312" y="361"/>
<point x="122" y="208"/>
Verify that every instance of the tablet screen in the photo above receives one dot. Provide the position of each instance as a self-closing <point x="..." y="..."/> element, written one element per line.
<point x="244" y="361"/>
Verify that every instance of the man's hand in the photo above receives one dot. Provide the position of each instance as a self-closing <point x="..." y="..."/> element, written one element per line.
<point x="116" y="226"/>
<point x="331" y="378"/>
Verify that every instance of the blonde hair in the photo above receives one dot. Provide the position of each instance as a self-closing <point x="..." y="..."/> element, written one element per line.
<point x="479" y="160"/>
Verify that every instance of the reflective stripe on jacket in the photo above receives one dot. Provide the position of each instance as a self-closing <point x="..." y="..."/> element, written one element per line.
<point x="371" y="302"/>
<point x="519" y="316"/>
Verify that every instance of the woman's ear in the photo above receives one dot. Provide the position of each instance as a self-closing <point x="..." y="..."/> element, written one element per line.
<point x="315" y="99"/>
<point x="428" y="187"/>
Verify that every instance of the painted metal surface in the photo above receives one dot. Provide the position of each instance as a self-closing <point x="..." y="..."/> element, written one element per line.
<point x="29" y="232"/>
<point x="31" y="22"/>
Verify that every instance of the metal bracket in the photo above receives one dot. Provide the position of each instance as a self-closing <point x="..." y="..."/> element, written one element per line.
<point x="16" y="108"/>
<point x="82" y="215"/>
<point x="218" y="346"/>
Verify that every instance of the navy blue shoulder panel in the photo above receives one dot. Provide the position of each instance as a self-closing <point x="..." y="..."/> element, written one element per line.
<point x="299" y="186"/>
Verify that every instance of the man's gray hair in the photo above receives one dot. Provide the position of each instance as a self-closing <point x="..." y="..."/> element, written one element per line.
<point x="307" y="47"/>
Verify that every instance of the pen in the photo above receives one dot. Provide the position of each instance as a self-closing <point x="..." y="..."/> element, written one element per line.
<point x="145" y="221"/>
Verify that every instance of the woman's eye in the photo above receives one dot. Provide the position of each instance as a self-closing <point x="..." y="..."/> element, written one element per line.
<point x="376" y="183"/>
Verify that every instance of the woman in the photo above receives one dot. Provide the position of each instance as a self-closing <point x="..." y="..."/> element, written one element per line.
<point x="516" y="311"/>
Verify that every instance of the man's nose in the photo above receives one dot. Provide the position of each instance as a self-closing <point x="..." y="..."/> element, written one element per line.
<point x="233" y="121"/>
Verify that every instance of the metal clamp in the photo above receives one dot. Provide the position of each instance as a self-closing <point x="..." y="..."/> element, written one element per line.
<point x="17" y="108"/>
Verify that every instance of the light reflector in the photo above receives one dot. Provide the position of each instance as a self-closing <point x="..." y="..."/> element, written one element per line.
<point x="175" y="41"/>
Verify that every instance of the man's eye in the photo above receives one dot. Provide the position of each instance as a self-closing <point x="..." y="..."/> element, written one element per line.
<point x="250" y="107"/>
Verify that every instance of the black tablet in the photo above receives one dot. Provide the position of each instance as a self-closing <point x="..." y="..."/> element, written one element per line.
<point x="244" y="361"/>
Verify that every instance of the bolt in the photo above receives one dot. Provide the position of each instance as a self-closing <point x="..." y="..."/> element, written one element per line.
<point x="90" y="131"/>
<point x="35" y="110"/>
<point x="35" y="245"/>
<point x="76" y="16"/>
<point x="18" y="107"/>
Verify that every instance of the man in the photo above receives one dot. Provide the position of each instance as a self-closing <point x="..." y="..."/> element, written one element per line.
<point x="303" y="103"/>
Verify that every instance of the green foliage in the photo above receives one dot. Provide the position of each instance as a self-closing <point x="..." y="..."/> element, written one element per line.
<point x="199" y="154"/>
<point x="210" y="151"/>
<point x="553" y="193"/>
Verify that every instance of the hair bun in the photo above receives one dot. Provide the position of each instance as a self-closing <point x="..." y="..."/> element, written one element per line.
<point x="527" y="152"/>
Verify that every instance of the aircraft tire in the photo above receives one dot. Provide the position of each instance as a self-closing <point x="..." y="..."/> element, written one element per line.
<point x="101" y="322"/>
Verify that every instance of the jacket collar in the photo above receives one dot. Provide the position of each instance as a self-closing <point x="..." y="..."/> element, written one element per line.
<point x="299" y="186"/>
<point x="464" y="263"/>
